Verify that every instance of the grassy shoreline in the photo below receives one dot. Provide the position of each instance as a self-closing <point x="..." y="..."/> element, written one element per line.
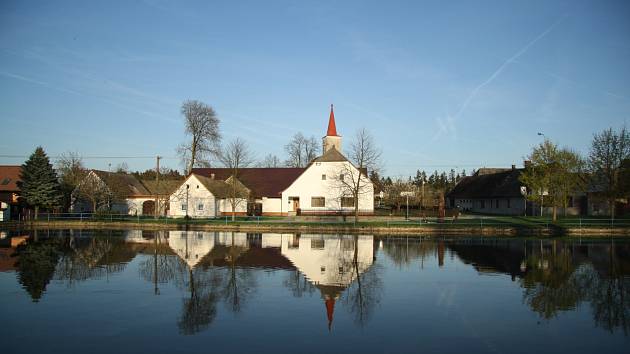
<point x="366" y="227"/>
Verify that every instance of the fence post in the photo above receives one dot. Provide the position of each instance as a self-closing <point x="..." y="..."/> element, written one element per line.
<point x="81" y="216"/>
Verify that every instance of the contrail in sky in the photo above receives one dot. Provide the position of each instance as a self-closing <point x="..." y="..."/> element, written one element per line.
<point x="497" y="72"/>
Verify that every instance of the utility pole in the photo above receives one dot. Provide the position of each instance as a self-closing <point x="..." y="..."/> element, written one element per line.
<point x="157" y="188"/>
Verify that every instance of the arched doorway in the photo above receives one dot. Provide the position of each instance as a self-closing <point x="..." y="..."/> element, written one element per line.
<point x="148" y="207"/>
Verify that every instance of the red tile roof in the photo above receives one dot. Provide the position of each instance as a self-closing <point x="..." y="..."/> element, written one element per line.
<point x="332" y="127"/>
<point x="9" y="176"/>
<point x="263" y="182"/>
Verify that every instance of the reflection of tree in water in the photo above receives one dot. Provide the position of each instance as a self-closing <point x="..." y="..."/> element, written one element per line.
<point x="404" y="251"/>
<point x="557" y="281"/>
<point x="94" y="257"/>
<point x="298" y="283"/>
<point x="551" y="283"/>
<point x="36" y="265"/>
<point x="239" y="283"/>
<point x="200" y="308"/>
<point x="364" y="294"/>
<point x="161" y="266"/>
<point x="70" y="259"/>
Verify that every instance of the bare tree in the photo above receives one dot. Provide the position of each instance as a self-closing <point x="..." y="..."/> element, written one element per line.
<point x="202" y="125"/>
<point x="270" y="161"/>
<point x="608" y="151"/>
<point x="352" y="180"/>
<point x="93" y="190"/>
<point x="234" y="156"/>
<point x="301" y="150"/>
<point x="71" y="172"/>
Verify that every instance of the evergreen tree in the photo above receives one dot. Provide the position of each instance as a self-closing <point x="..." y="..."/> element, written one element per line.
<point x="39" y="184"/>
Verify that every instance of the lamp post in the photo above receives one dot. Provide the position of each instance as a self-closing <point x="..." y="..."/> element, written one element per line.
<point x="406" y="194"/>
<point x="542" y="193"/>
<point x="187" y="187"/>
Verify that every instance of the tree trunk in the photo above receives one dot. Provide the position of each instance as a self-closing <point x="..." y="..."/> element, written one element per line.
<point x="555" y="213"/>
<point x="36" y="211"/>
<point x="611" y="202"/>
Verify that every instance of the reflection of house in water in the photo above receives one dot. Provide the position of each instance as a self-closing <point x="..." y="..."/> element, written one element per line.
<point x="330" y="263"/>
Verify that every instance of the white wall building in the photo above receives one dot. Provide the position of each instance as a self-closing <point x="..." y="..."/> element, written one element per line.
<point x="203" y="197"/>
<point x="322" y="188"/>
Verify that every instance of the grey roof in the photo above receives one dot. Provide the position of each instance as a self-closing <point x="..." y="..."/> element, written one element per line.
<point x="332" y="155"/>
<point x="218" y="188"/>
<point x="504" y="184"/>
<point x="125" y="184"/>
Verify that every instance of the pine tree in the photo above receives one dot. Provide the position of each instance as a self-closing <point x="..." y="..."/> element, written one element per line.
<point x="39" y="184"/>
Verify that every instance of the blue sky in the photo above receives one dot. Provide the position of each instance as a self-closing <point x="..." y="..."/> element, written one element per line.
<point x="439" y="84"/>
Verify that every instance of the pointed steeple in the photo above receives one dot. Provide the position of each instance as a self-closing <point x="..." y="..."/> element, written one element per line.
<point x="332" y="127"/>
<point x="332" y="139"/>
<point x="330" y="309"/>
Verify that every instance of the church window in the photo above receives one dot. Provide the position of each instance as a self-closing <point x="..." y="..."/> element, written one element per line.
<point x="323" y="177"/>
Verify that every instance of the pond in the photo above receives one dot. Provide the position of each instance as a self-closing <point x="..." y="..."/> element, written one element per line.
<point x="132" y="291"/>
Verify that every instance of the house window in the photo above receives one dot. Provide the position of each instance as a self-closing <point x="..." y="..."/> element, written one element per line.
<point x="341" y="176"/>
<point x="200" y="206"/>
<point x="483" y="204"/>
<point x="317" y="243"/>
<point x="184" y="207"/>
<point x="318" y="202"/>
<point x="508" y="203"/>
<point x="497" y="202"/>
<point x="323" y="177"/>
<point x="347" y="202"/>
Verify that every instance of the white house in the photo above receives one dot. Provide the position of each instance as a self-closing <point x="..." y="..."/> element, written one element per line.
<point x="121" y="193"/>
<point x="204" y="197"/>
<point x="322" y="188"/>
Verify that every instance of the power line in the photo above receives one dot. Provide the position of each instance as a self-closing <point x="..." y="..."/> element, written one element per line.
<point x="91" y="157"/>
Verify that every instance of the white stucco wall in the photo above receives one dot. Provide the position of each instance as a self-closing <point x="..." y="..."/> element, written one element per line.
<point x="226" y="207"/>
<point x="329" y="260"/>
<point x="272" y="205"/>
<point x="197" y="195"/>
<point x="310" y="184"/>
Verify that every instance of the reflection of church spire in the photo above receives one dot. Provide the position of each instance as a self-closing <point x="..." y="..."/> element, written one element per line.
<point x="330" y="309"/>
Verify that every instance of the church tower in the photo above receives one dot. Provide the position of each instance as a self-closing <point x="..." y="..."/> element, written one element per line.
<point x="331" y="139"/>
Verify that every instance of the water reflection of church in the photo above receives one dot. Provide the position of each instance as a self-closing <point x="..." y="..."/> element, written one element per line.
<point x="329" y="263"/>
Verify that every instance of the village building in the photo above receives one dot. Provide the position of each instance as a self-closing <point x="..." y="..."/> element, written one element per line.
<point x="490" y="191"/>
<point x="499" y="191"/>
<point x="321" y="188"/>
<point x="9" y="192"/>
<point x="329" y="264"/>
<point x="121" y="193"/>
<point x="206" y="197"/>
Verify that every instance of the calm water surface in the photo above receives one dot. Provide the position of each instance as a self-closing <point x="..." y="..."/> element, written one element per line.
<point x="175" y="291"/>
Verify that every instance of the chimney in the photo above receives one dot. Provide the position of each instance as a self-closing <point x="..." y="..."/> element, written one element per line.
<point x="212" y="176"/>
<point x="527" y="163"/>
<point x="513" y="167"/>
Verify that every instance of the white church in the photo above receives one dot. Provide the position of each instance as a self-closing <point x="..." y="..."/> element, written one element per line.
<point x="321" y="188"/>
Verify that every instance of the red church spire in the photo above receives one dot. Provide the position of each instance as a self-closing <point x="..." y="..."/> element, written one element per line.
<point x="330" y="309"/>
<point x="332" y="127"/>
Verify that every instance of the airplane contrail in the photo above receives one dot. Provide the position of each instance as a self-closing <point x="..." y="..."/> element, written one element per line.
<point x="497" y="72"/>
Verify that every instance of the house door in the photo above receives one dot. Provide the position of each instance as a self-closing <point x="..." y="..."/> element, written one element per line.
<point x="296" y="204"/>
<point x="148" y="207"/>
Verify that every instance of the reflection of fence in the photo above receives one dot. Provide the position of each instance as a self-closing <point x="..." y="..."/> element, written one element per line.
<point x="369" y="221"/>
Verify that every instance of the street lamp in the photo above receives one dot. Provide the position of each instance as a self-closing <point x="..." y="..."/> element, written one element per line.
<point x="187" y="187"/>
<point x="406" y="194"/>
